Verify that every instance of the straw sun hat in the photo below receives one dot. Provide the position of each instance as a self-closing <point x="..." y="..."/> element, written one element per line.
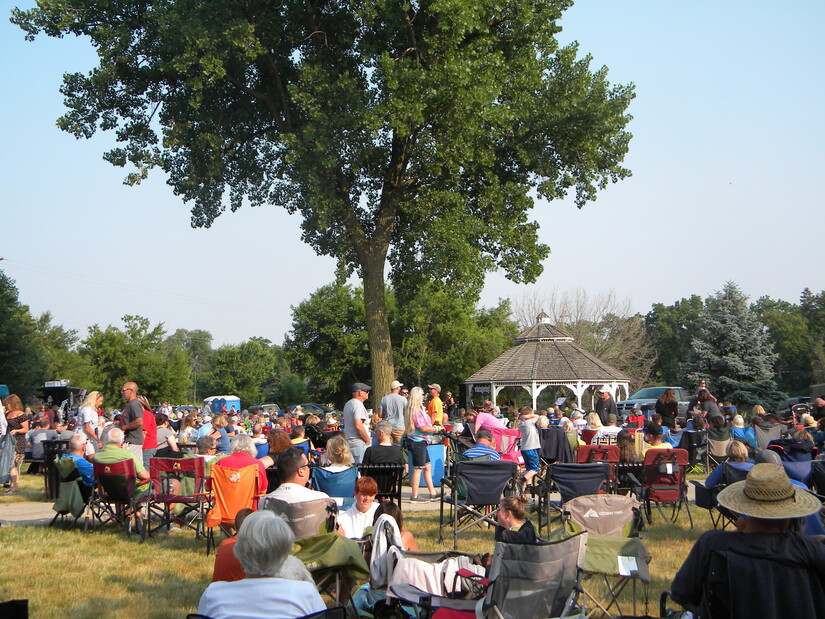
<point x="768" y="493"/>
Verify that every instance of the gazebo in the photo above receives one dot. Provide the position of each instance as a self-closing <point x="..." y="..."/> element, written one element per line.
<point x="545" y="356"/>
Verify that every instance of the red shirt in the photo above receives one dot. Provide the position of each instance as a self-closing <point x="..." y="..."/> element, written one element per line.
<point x="227" y="567"/>
<point x="150" y="438"/>
<point x="241" y="459"/>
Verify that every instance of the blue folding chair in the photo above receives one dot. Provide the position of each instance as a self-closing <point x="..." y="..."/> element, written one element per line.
<point x="340" y="485"/>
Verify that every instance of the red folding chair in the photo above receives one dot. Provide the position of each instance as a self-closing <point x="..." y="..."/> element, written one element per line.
<point x="665" y="483"/>
<point x="177" y="493"/>
<point x="117" y="497"/>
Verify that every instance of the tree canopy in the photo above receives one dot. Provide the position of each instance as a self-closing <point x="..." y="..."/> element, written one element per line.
<point x="378" y="122"/>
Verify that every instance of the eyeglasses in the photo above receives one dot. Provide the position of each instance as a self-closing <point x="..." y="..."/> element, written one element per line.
<point x="126" y="389"/>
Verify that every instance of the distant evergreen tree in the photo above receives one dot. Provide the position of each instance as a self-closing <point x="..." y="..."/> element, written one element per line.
<point x="733" y="352"/>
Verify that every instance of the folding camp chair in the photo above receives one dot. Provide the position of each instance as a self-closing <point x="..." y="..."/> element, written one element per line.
<point x="588" y="435"/>
<point x="117" y="497"/>
<point x="340" y="485"/>
<point x="614" y="557"/>
<point x="571" y="481"/>
<point x="601" y="453"/>
<point x="695" y="444"/>
<point x="388" y="477"/>
<point x="305" y="518"/>
<point x="554" y="446"/>
<point x="231" y="491"/>
<point x="506" y="442"/>
<point x="705" y="496"/>
<point x="334" y="562"/>
<point x="665" y="483"/>
<point x="73" y="496"/>
<point x="177" y="494"/>
<point x="768" y="433"/>
<point x="817" y="481"/>
<point x="526" y="581"/>
<point x="476" y="488"/>
<point x="716" y="453"/>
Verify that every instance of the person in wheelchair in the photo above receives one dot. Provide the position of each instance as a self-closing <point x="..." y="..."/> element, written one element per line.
<point x="771" y="510"/>
<point x="513" y="526"/>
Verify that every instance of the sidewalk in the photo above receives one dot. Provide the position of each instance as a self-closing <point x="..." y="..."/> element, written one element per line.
<point x="33" y="513"/>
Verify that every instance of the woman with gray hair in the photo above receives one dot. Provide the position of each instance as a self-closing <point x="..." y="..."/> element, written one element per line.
<point x="242" y="452"/>
<point x="264" y="543"/>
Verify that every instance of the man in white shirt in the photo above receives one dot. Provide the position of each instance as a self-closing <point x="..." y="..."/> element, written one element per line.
<point x="294" y="471"/>
<point x="607" y="433"/>
<point x="354" y="521"/>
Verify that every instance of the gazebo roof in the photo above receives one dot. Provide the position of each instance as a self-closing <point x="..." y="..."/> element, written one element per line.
<point x="545" y="353"/>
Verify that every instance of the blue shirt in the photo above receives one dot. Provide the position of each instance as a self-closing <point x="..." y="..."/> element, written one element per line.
<point x="482" y="450"/>
<point x="84" y="467"/>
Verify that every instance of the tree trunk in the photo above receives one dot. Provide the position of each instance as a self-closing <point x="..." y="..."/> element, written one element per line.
<point x="378" y="327"/>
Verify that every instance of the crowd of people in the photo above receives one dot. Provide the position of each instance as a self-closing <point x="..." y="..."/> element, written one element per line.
<point x="256" y="565"/>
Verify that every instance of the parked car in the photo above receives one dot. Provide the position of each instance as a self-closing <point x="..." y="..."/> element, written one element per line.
<point x="311" y="409"/>
<point x="787" y="405"/>
<point x="272" y="409"/>
<point x="649" y="395"/>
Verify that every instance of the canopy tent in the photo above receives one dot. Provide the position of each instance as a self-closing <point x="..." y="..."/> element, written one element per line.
<point x="545" y="356"/>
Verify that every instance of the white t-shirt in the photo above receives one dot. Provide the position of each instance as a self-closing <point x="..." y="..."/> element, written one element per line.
<point x="354" y="522"/>
<point x="607" y="431"/>
<point x="252" y="598"/>
<point x="293" y="493"/>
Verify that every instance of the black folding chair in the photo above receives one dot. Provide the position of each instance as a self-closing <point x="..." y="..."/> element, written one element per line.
<point x="695" y="443"/>
<point x="475" y="490"/>
<point x="571" y="481"/>
<point x="388" y="477"/>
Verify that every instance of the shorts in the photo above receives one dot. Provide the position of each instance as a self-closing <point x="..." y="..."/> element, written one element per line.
<point x="531" y="459"/>
<point x="418" y="449"/>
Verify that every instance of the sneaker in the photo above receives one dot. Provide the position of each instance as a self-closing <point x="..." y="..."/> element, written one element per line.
<point x="418" y="499"/>
<point x="435" y="498"/>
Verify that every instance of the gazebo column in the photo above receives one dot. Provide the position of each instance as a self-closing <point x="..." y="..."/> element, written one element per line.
<point x="579" y="390"/>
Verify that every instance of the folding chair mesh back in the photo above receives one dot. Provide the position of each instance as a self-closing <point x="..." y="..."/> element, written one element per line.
<point x="340" y="485"/>
<point x="388" y="477"/>
<point x="306" y="518"/>
<point x="507" y="443"/>
<point x="601" y="453"/>
<point x="717" y="452"/>
<point x="766" y="434"/>
<point x="484" y="483"/>
<point x="532" y="581"/>
<point x="572" y="480"/>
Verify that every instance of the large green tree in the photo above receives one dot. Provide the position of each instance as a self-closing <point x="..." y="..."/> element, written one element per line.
<point x="243" y="370"/>
<point x="21" y="364"/>
<point x="788" y="333"/>
<point x="380" y="122"/>
<point x="671" y="329"/>
<point x="138" y="353"/>
<point x="733" y="351"/>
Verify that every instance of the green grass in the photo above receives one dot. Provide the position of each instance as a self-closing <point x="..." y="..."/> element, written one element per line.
<point x="104" y="574"/>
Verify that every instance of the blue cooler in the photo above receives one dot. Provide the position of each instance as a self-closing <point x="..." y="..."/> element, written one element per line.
<point x="436" y="453"/>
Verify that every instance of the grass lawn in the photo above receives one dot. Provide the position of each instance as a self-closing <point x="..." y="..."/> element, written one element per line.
<point x="105" y="574"/>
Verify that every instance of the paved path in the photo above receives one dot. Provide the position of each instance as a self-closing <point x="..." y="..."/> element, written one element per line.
<point x="26" y="513"/>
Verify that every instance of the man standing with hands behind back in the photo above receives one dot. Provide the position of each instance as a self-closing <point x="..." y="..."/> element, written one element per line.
<point x="132" y="420"/>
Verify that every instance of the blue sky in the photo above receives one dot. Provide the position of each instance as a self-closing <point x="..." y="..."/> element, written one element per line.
<point x="726" y="158"/>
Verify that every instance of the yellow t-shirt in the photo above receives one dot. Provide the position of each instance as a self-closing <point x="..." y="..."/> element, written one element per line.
<point x="436" y="411"/>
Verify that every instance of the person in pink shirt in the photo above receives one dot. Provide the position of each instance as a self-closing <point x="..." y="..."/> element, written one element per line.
<point x="483" y="421"/>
